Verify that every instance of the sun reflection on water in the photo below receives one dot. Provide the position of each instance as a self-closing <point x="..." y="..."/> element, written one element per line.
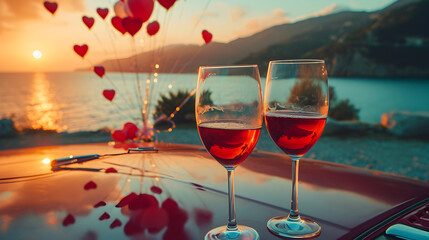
<point x="42" y="112"/>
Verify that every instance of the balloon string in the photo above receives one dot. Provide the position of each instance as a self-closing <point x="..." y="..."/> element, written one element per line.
<point x="139" y="95"/>
<point x="130" y="101"/>
<point x="118" y="108"/>
<point x="199" y="19"/>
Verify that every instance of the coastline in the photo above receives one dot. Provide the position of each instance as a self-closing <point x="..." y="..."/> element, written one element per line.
<point x="375" y="151"/>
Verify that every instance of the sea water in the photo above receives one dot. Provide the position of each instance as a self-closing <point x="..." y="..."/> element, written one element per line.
<point x="73" y="101"/>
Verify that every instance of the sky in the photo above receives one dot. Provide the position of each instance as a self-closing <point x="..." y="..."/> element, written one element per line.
<point x="26" y="26"/>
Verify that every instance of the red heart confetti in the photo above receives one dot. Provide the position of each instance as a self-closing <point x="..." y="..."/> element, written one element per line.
<point x="81" y="50"/>
<point x="154" y="219"/>
<point x="102" y="12"/>
<point x="126" y="200"/>
<point x="68" y="220"/>
<point x="100" y="71"/>
<point x="89" y="21"/>
<point x="117" y="24"/>
<point x="90" y="185"/>
<point x="51" y="6"/>
<point x="203" y="216"/>
<point x="132" y="25"/>
<point x="115" y="223"/>
<point x="143" y="201"/>
<point x="152" y="28"/>
<point x="169" y="205"/>
<point x="167" y="4"/>
<point x="109" y="94"/>
<point x="207" y="36"/>
<point x="156" y="190"/>
<point x="111" y="170"/>
<point x="104" y="216"/>
<point x="100" y="204"/>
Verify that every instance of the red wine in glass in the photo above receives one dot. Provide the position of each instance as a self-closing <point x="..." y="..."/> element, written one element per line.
<point x="229" y="116"/>
<point x="296" y="104"/>
<point x="295" y="132"/>
<point x="229" y="142"/>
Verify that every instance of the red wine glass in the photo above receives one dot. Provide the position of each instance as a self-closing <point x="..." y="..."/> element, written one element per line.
<point x="296" y="107"/>
<point x="229" y="115"/>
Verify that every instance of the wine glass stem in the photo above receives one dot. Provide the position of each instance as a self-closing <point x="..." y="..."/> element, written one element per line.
<point x="294" y="214"/>
<point x="232" y="224"/>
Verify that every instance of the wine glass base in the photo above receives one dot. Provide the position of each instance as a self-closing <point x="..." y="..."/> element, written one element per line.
<point x="243" y="233"/>
<point x="283" y="227"/>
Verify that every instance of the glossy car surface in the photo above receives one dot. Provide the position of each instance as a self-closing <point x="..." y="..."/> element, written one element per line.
<point x="179" y="192"/>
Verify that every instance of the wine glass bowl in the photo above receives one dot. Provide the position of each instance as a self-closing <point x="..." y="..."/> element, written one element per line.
<point x="296" y="107"/>
<point x="229" y="115"/>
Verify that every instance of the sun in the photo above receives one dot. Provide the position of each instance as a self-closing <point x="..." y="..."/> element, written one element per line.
<point x="37" y="54"/>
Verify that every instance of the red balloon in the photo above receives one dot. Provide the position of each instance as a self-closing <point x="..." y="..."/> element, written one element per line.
<point x="117" y="23"/>
<point x="89" y="21"/>
<point x="130" y="129"/>
<point x="141" y="9"/>
<point x="167" y="4"/>
<point x="132" y="25"/>
<point x="81" y="50"/>
<point x="109" y="94"/>
<point x="102" y="12"/>
<point x="207" y="36"/>
<point x="118" y="135"/>
<point x="51" y="6"/>
<point x="99" y="70"/>
<point x="152" y="28"/>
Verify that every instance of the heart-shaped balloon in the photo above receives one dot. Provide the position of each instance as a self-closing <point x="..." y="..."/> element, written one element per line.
<point x="117" y="23"/>
<point x="99" y="70"/>
<point x="81" y="50"/>
<point x="119" y="135"/>
<point x="141" y="9"/>
<point x="152" y="28"/>
<point x="89" y="21"/>
<point x="130" y="129"/>
<point x="119" y="9"/>
<point x="102" y="12"/>
<point x="207" y="36"/>
<point x="132" y="25"/>
<point x="167" y="4"/>
<point x="109" y="94"/>
<point x="51" y="6"/>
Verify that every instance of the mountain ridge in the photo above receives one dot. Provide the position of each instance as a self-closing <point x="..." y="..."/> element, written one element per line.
<point x="324" y="37"/>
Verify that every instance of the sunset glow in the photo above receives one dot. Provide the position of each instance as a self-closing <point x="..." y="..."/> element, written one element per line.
<point x="37" y="54"/>
<point x="56" y="34"/>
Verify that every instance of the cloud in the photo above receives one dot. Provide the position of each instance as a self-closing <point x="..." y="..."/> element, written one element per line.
<point x="237" y="14"/>
<point x="256" y="24"/>
<point x="333" y="8"/>
<point x="13" y="11"/>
